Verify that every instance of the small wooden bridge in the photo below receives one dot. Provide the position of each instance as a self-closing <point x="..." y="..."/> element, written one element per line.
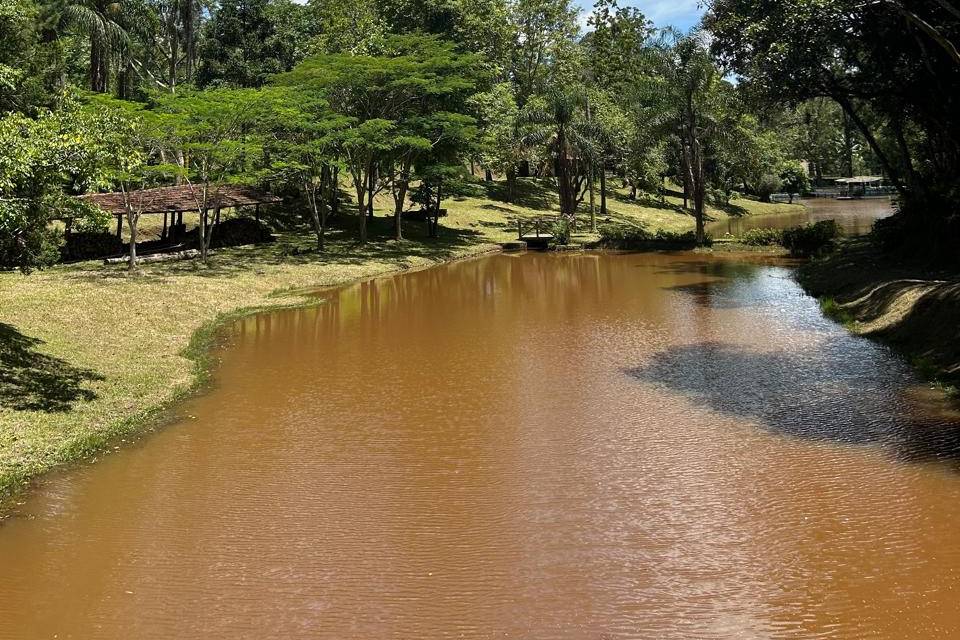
<point x="535" y="232"/>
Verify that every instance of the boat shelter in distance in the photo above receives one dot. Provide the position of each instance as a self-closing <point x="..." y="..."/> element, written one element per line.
<point x="860" y="186"/>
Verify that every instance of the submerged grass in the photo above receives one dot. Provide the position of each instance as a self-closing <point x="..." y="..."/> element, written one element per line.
<point x="90" y="356"/>
<point x="836" y="311"/>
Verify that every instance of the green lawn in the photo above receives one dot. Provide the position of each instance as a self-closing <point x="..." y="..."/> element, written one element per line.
<point x="89" y="354"/>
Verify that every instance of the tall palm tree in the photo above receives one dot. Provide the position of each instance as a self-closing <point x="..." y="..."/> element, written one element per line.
<point x="691" y="97"/>
<point x="561" y="124"/>
<point x="99" y="20"/>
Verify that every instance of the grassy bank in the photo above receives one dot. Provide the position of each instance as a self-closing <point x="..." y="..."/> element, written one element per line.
<point x="914" y="309"/>
<point x="89" y="354"/>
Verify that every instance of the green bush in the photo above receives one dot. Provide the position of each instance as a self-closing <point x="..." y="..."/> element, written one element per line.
<point x="92" y="219"/>
<point x="623" y="237"/>
<point x="812" y="239"/>
<point x="769" y="184"/>
<point x="561" y="230"/>
<point x="763" y="237"/>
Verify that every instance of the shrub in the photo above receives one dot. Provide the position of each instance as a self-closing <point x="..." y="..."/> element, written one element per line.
<point x="763" y="237"/>
<point x="616" y="235"/>
<point x="768" y="185"/>
<point x="812" y="239"/>
<point x="720" y="197"/>
<point x="92" y="219"/>
<point x="623" y="237"/>
<point x="561" y="230"/>
<point x="683" y="238"/>
<point x="88" y="245"/>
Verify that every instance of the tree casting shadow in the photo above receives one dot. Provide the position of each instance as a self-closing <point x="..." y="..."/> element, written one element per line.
<point x="33" y="381"/>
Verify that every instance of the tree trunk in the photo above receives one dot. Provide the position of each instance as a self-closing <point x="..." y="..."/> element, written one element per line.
<point x="132" y="221"/>
<point x="603" y="189"/>
<point x="318" y="223"/>
<point x="361" y="210"/>
<point x="511" y="184"/>
<point x="174" y="34"/>
<point x="847" y="146"/>
<point x="593" y="210"/>
<point x="399" y="197"/>
<point x="330" y="177"/>
<point x="94" y="64"/>
<point x="892" y="172"/>
<point x="203" y="236"/>
<point x="189" y="32"/>
<point x="372" y="184"/>
<point x="488" y="175"/>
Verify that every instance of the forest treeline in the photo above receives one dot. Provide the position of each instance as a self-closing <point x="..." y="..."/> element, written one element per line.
<point x="402" y="97"/>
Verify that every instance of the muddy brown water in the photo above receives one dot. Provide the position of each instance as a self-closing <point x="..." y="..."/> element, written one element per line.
<point x="536" y="446"/>
<point x="855" y="217"/>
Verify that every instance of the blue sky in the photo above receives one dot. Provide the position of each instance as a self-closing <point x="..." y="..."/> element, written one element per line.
<point x="679" y="13"/>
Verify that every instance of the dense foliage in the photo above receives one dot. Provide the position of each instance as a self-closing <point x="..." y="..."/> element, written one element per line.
<point x="892" y="69"/>
<point x="398" y="97"/>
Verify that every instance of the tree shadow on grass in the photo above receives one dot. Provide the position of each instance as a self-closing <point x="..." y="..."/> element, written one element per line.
<point x="845" y="391"/>
<point x="34" y="381"/>
<point x="299" y="247"/>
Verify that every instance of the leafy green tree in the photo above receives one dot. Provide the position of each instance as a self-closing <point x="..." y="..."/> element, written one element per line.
<point x="18" y="33"/>
<point x="891" y="66"/>
<point x="545" y="32"/>
<point x="134" y="136"/>
<point x="559" y="123"/>
<point x="98" y="20"/>
<point x="212" y="134"/>
<point x="477" y="26"/>
<point x="500" y="143"/>
<point x="794" y="178"/>
<point x="345" y="27"/>
<point x="246" y="41"/>
<point x="304" y="148"/>
<point x="394" y="100"/>
<point x="617" y="46"/>
<point x="43" y="160"/>
<point x="690" y="91"/>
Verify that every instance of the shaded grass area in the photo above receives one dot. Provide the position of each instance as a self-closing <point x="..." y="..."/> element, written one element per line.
<point x="914" y="309"/>
<point x="90" y="354"/>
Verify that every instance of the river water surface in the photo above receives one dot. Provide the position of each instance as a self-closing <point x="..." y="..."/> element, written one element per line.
<point x="535" y="446"/>
<point x="855" y="217"/>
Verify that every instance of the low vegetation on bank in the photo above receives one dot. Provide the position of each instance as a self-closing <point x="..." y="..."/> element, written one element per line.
<point x="906" y="303"/>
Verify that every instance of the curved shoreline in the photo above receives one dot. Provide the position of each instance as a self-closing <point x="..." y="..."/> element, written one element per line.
<point x="202" y="342"/>
<point x="908" y="307"/>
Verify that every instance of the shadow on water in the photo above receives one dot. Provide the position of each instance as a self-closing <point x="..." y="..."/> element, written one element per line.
<point x="827" y="394"/>
<point x="33" y="381"/>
